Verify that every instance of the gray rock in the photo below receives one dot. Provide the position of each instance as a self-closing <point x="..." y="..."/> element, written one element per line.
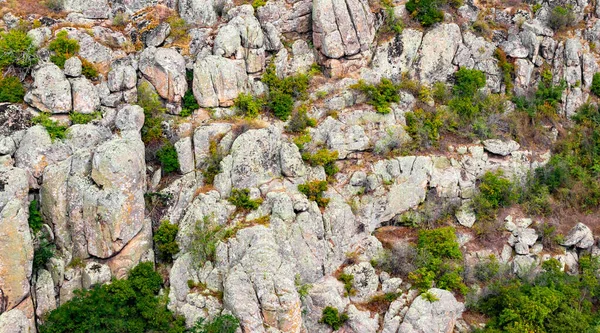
<point x="580" y="236"/>
<point x="437" y="52"/>
<point x="198" y="12"/>
<point x="466" y="215"/>
<point x="499" y="147"/>
<point x="523" y="71"/>
<point x="523" y="264"/>
<point x="7" y="145"/>
<point x="73" y="67"/>
<point x="156" y="37"/>
<point x="227" y="42"/>
<point x="31" y="151"/>
<point x="391" y="285"/>
<point x="45" y="299"/>
<point x="218" y="81"/>
<point x="122" y="76"/>
<point x="361" y="321"/>
<point x="85" y="96"/>
<point x="89" y="48"/>
<point x="437" y="316"/>
<point x="130" y="118"/>
<point x="521" y="248"/>
<point x="95" y="274"/>
<point x="527" y="236"/>
<point x="14" y="321"/>
<point x="94" y="9"/>
<point x="365" y="281"/>
<point x="51" y="91"/>
<point x="185" y="155"/>
<point x="39" y="35"/>
<point x="291" y="161"/>
<point x="340" y="137"/>
<point x="165" y="69"/>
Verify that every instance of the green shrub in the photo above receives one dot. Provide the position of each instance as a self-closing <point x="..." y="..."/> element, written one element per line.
<point x="189" y="104"/>
<point x="149" y="100"/>
<point x="282" y="92"/>
<point x="120" y="20"/>
<point x="17" y="49"/>
<point x="258" y="3"/>
<point x="347" y="279"/>
<point x="249" y="105"/>
<point x="441" y="94"/>
<point x="220" y="324"/>
<point x="88" y="69"/>
<point x="281" y="104"/>
<point x="429" y="297"/>
<point x="507" y="68"/>
<point x="204" y="240"/>
<point x="595" y="88"/>
<point x="324" y="158"/>
<point x="55" y="130"/>
<point x="169" y="161"/>
<point x="380" y="95"/>
<point x="164" y="238"/>
<point x="561" y="17"/>
<point x="179" y="27"/>
<point x="424" y="128"/>
<point x="212" y="165"/>
<point x="487" y="269"/>
<point x="42" y="253"/>
<point x="300" y="121"/>
<point x="240" y="198"/>
<point x="55" y="5"/>
<point x="332" y="318"/>
<point x="83" y="118"/>
<point x="391" y="22"/>
<point x="63" y="48"/>
<point x="301" y="140"/>
<point x="495" y="192"/>
<point x="35" y="217"/>
<point x="314" y="192"/>
<point x="11" y="90"/>
<point x="427" y="12"/>
<point x="129" y="305"/>
<point x="468" y="82"/>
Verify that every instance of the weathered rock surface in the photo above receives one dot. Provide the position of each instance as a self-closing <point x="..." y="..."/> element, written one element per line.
<point x="218" y="81"/>
<point x="51" y="90"/>
<point x="437" y="316"/>
<point x="165" y="69"/>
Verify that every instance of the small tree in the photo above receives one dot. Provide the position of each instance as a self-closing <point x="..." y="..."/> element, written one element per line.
<point x="165" y="240"/>
<point x="595" y="88"/>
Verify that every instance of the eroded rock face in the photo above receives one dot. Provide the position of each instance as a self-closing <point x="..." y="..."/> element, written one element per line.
<point x="199" y="12"/>
<point x="94" y="9"/>
<point x="165" y="69"/>
<point x="218" y="81"/>
<point x="51" y="90"/>
<point x="437" y="51"/>
<point x="437" y="316"/>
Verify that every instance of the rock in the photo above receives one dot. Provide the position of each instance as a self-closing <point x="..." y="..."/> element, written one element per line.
<point x="139" y="249"/>
<point x="7" y="145"/>
<point x="31" y="151"/>
<point x="365" y="281"/>
<point x="391" y="285"/>
<point x="130" y="118"/>
<point x="438" y="316"/>
<point x="203" y="136"/>
<point x="523" y="264"/>
<point x="39" y="36"/>
<point x="185" y="155"/>
<point x="527" y="236"/>
<point x="340" y="137"/>
<point x="521" y="248"/>
<point x="45" y="299"/>
<point x="93" y="9"/>
<point x="580" y="236"/>
<point x="165" y="69"/>
<point x="90" y="49"/>
<point x="14" y="321"/>
<point x="218" y="81"/>
<point x="227" y="42"/>
<point x="437" y="52"/>
<point x="156" y="37"/>
<point x="13" y="118"/>
<point x="85" y="96"/>
<point x="361" y="321"/>
<point x="200" y="12"/>
<point x="342" y="27"/>
<point x="302" y="57"/>
<point x="499" y="147"/>
<point x="122" y="76"/>
<point x="326" y="292"/>
<point x="466" y="215"/>
<point x="523" y="71"/>
<point x="291" y="161"/>
<point x="95" y="274"/>
<point x="51" y="91"/>
<point x="73" y="67"/>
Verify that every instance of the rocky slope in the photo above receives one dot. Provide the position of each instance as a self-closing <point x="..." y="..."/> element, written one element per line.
<point x="94" y="185"/>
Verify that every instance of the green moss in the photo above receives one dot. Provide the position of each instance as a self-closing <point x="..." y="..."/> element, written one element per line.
<point x="189" y="104"/>
<point x="212" y="164"/>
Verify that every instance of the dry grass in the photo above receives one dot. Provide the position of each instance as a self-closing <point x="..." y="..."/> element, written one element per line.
<point x="24" y="8"/>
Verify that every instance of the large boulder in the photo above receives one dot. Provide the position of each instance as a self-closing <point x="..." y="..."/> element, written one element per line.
<point x="51" y="91"/>
<point x="218" y="81"/>
<point x="14" y="321"/>
<point x="165" y="69"/>
<point x="94" y="9"/>
<point x="85" y="96"/>
<point x="437" y="51"/>
<point x="438" y="315"/>
<point x="580" y="236"/>
<point x="200" y="12"/>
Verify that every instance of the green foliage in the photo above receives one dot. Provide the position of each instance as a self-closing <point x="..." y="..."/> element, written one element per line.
<point x="169" y="161"/>
<point x="206" y="236"/>
<point x="35" y="217"/>
<point x="553" y="302"/>
<point x="11" y="90"/>
<point x="241" y="199"/>
<point x="55" y="5"/>
<point x="439" y="260"/>
<point x="120" y="20"/>
<point x="164" y="238"/>
<point x="220" y="324"/>
<point x="507" y="68"/>
<point x="17" y="49"/>
<point x="189" y="104"/>
<point x="324" y="158"/>
<point x="347" y="279"/>
<point x="314" y="191"/>
<point x="380" y="95"/>
<point x="545" y="101"/>
<point x="129" y="305"/>
<point x="42" y="253"/>
<point x="258" y="3"/>
<point x="302" y="289"/>
<point x="63" y="48"/>
<point x="88" y="69"/>
<point x="424" y="127"/>
<point x="468" y="82"/>
<point x="332" y="318"/>
<point x="149" y="100"/>
<point x="495" y="192"/>
<point x="300" y="121"/>
<point x="83" y="118"/>
<point x="429" y="297"/>
<point x="441" y="94"/>
<point x="487" y="269"/>
<point x="302" y="140"/>
<point x="249" y="105"/>
<point x="427" y="12"/>
<point x="595" y="88"/>
<point x="178" y="27"/>
<point x="55" y="130"/>
<point x="281" y="104"/>
<point x="561" y="17"/>
<point x="282" y="92"/>
<point x="212" y="165"/>
<point x="391" y="22"/>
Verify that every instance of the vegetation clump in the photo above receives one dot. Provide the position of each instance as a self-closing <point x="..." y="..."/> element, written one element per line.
<point x="427" y="12"/>
<point x="347" y="279"/>
<point x="55" y="130"/>
<point x="129" y="305"/>
<point x="240" y="198"/>
<point x="35" y="217"/>
<point x="324" y="158"/>
<point x="220" y="324"/>
<point x="63" y="48"/>
<point x="17" y="49"/>
<point x="206" y="236"/>
<point x="561" y="17"/>
<point x="11" y="90"/>
<point x="332" y="318"/>
<point x="149" y="100"/>
<point x="189" y="104"/>
<point x="42" y="253"/>
<point x="83" y="118"/>
<point x="314" y="192"/>
<point x="165" y="240"/>
<point x="595" y="88"/>
<point x="380" y="95"/>
<point x="212" y="165"/>
<point x="169" y="160"/>
<point x="300" y="121"/>
<point x="495" y="191"/>
<point x="282" y="92"/>
<point x="248" y="105"/>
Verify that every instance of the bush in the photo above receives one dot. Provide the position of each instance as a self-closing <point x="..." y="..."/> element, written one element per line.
<point x="212" y="165"/>
<point x="219" y="324"/>
<point x="205" y="238"/>
<point x="35" y="217"/>
<point x="169" y="161"/>
<point x="324" y="158"/>
<point x="347" y="279"/>
<point x="427" y="12"/>
<point x="55" y="5"/>
<point x="16" y="49"/>
<point x="488" y="269"/>
<point x="561" y="17"/>
<point x="424" y="128"/>
<point x="314" y="192"/>
<point x="281" y="104"/>
<point x="189" y="104"/>
<point x="164" y="238"/>
<point x="258" y="3"/>
<point x="149" y="100"/>
<point x="300" y="121"/>
<point x="380" y="95"/>
<point x="42" y="253"/>
<point x="129" y="305"/>
<point x="88" y="69"/>
<point x="11" y="90"/>
<point x="241" y="200"/>
<point x="332" y="318"/>
<point x="55" y="130"/>
<point x="507" y="68"/>
<point x="595" y="88"/>
<point x="282" y="92"/>
<point x="249" y="105"/>
<point x="392" y="23"/>
<point x="63" y="48"/>
<point x="468" y="82"/>
<point x="83" y="118"/>
<point x="495" y="192"/>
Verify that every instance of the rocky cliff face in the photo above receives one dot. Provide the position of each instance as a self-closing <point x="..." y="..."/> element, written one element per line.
<point x="95" y="186"/>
